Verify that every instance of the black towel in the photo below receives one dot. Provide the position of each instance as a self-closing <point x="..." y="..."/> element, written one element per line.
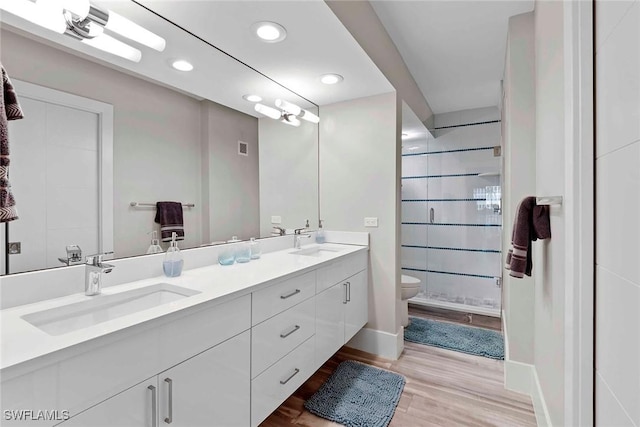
<point x="169" y="216"/>
<point x="530" y="224"/>
<point x="9" y="110"/>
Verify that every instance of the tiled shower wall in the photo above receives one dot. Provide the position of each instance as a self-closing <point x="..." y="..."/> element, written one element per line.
<point x="451" y="212"/>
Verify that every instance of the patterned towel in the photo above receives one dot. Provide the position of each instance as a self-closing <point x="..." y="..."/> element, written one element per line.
<point x="169" y="216"/>
<point x="530" y="224"/>
<point x="9" y="110"/>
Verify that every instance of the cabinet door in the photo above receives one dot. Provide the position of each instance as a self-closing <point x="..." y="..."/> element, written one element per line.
<point x="135" y="407"/>
<point x="210" y="389"/>
<point x="357" y="308"/>
<point x="330" y="306"/>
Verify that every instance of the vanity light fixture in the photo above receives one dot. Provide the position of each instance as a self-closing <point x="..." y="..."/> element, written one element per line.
<point x="252" y="98"/>
<point x="269" y="32"/>
<point x="297" y="111"/>
<point x="288" y="113"/>
<point x="86" y="22"/>
<point x="182" y="65"/>
<point x="331" y="78"/>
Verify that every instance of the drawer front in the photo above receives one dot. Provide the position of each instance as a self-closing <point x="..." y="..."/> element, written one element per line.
<point x="276" y="337"/>
<point x="281" y="296"/>
<point x="279" y="382"/>
<point x="340" y="270"/>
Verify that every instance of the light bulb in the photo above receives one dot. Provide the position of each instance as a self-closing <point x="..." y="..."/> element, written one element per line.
<point x="129" y="29"/>
<point x="331" y="79"/>
<point x="288" y="107"/>
<point x="116" y="47"/>
<point x="182" y="65"/>
<point x="268" y="111"/>
<point x="310" y="117"/>
<point x="269" y="32"/>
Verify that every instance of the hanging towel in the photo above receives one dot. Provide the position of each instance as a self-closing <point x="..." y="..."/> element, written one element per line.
<point x="169" y="216"/>
<point x="9" y="110"/>
<point x="530" y="224"/>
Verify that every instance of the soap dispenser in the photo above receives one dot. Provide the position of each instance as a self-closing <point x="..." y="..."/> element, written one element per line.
<point x="320" y="233"/>
<point x="254" y="246"/>
<point x="173" y="261"/>
<point x="154" y="247"/>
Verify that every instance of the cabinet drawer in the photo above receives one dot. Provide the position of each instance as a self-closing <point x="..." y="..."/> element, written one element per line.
<point x="340" y="270"/>
<point x="281" y="296"/>
<point x="277" y="383"/>
<point x="276" y="337"/>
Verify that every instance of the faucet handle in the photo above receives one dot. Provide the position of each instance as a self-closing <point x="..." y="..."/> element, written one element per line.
<point x="96" y="258"/>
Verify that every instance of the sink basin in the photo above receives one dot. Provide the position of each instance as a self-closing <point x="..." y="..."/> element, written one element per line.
<point x="316" y="251"/>
<point x="102" y="308"/>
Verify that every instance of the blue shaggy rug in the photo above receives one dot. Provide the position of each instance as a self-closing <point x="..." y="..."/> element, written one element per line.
<point x="466" y="339"/>
<point x="358" y="395"/>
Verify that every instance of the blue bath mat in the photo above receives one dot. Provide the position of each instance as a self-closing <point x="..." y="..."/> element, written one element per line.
<point x="466" y="339"/>
<point x="358" y="395"/>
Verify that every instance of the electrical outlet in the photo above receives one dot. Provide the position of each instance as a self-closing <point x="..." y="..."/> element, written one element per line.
<point x="371" y="222"/>
<point x="276" y="219"/>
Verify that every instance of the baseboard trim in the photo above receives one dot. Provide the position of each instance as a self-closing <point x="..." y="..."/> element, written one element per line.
<point x="539" y="405"/>
<point x="380" y="343"/>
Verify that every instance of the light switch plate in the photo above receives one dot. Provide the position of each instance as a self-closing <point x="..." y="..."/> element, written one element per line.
<point x="371" y="222"/>
<point x="276" y="219"/>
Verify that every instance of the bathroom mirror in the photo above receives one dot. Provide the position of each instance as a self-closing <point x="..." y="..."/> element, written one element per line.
<point x="188" y="137"/>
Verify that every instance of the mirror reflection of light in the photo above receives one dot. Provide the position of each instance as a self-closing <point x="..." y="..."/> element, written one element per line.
<point x="182" y="65"/>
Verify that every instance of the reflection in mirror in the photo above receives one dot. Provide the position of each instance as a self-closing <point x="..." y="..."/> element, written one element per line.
<point x="104" y="139"/>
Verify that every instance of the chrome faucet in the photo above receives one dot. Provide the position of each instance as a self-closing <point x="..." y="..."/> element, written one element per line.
<point x="94" y="267"/>
<point x="279" y="230"/>
<point x="298" y="237"/>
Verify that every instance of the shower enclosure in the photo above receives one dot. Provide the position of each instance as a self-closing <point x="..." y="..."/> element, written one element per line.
<point x="451" y="212"/>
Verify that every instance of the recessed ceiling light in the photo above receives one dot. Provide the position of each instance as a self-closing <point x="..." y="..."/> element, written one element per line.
<point x="331" y="79"/>
<point x="182" y="65"/>
<point x="252" y="98"/>
<point x="269" y="32"/>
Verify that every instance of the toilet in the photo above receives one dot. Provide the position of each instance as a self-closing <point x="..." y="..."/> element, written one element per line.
<point x="410" y="288"/>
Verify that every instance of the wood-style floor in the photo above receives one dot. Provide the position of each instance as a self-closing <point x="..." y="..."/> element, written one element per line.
<point x="444" y="388"/>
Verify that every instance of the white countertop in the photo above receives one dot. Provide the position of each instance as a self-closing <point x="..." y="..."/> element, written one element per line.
<point x="21" y="342"/>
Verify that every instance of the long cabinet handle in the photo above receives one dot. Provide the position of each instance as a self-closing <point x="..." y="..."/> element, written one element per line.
<point x="297" y="291"/>
<point x="295" y="372"/>
<point x="346" y="290"/>
<point x="295" y="328"/>
<point x="169" y="418"/>
<point x="154" y="406"/>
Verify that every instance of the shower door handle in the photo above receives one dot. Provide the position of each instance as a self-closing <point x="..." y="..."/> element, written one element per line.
<point x="432" y="215"/>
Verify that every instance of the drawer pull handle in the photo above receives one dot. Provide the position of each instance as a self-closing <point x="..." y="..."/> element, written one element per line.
<point x="154" y="407"/>
<point x="295" y="372"/>
<point x="295" y="328"/>
<point x="297" y="291"/>
<point x="348" y="291"/>
<point x="169" y="419"/>
<point x="346" y="298"/>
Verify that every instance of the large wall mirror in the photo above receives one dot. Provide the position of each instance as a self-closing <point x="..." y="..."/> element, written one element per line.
<point x="104" y="138"/>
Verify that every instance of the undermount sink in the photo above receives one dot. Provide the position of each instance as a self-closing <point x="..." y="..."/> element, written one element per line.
<point x="102" y="308"/>
<point x="316" y="251"/>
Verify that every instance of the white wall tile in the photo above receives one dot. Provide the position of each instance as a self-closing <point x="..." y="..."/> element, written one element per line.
<point x="464" y="237"/>
<point x="463" y="213"/>
<point x="413" y="234"/>
<point x="617" y="212"/>
<point x="463" y="162"/>
<point x="413" y="257"/>
<point x="463" y="290"/>
<point x="481" y="263"/>
<point x="608" y="16"/>
<point x="618" y="338"/>
<point x="618" y="86"/>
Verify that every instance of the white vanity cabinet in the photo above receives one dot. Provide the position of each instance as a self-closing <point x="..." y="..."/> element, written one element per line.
<point x="213" y="385"/>
<point x="342" y="309"/>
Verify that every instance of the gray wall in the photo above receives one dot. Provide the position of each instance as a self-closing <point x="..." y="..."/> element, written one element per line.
<point x="158" y="143"/>
<point x="360" y="177"/>
<point x="290" y="193"/>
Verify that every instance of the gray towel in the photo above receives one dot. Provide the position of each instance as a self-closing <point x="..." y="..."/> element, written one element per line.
<point x="530" y="224"/>
<point x="9" y="110"/>
<point x="169" y="216"/>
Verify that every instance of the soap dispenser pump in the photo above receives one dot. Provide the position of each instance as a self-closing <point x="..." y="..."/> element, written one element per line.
<point x="154" y="247"/>
<point x="320" y="238"/>
<point x="173" y="261"/>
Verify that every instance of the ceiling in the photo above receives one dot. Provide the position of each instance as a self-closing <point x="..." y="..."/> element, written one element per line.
<point x="455" y="50"/>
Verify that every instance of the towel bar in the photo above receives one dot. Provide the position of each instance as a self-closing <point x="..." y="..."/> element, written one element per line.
<point x="549" y="200"/>
<point x="138" y="204"/>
